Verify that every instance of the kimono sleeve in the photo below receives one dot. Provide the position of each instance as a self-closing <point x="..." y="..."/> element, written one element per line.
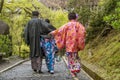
<point x="26" y="35"/>
<point x="46" y="28"/>
<point x="81" y="37"/>
<point x="60" y="36"/>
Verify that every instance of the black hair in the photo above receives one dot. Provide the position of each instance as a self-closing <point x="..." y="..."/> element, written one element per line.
<point x="35" y="13"/>
<point x="72" y="15"/>
<point x="47" y="20"/>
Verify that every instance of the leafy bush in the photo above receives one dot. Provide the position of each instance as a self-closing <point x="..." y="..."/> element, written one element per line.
<point x="59" y="18"/>
<point x="113" y="18"/>
<point x="24" y="51"/>
<point x="5" y="45"/>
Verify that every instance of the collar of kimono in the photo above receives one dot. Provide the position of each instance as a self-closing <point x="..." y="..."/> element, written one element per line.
<point x="73" y="20"/>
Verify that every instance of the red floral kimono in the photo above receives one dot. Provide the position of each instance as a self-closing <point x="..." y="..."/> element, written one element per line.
<point x="72" y="37"/>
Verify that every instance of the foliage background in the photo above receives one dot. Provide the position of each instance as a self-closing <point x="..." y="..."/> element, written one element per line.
<point x="16" y="13"/>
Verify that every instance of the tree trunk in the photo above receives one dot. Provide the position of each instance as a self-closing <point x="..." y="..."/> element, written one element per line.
<point x="1" y="5"/>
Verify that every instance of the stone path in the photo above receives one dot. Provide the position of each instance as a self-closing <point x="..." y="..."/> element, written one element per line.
<point x="24" y="72"/>
<point x="7" y="62"/>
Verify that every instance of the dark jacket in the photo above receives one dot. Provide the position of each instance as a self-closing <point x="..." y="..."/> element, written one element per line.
<point x="34" y="29"/>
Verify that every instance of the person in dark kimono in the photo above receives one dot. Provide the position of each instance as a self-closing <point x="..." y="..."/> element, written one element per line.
<point x="49" y="47"/>
<point x="33" y="31"/>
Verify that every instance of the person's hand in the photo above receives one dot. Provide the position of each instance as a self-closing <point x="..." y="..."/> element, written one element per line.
<point x="50" y="35"/>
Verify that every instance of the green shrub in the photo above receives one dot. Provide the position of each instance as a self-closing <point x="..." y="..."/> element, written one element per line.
<point x="5" y="45"/>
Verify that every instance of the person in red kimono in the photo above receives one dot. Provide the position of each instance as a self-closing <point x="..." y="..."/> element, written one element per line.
<point x="71" y="36"/>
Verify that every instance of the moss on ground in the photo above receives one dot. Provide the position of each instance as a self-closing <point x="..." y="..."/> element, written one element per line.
<point x="105" y="53"/>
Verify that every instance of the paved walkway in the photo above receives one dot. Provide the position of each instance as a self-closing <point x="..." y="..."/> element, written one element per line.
<point x="9" y="61"/>
<point x="24" y="72"/>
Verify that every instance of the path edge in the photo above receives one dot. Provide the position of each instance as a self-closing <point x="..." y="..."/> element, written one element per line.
<point x="10" y="67"/>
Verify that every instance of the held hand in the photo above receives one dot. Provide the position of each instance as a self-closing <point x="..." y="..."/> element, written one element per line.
<point x="50" y="35"/>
